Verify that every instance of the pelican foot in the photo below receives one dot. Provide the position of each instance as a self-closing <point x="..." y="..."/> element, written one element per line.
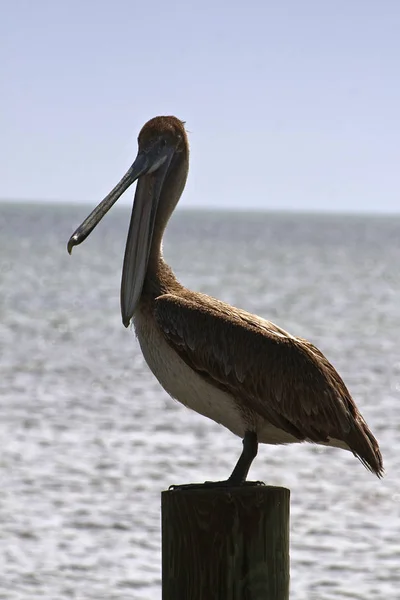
<point x="239" y="473"/>
<point x="214" y="484"/>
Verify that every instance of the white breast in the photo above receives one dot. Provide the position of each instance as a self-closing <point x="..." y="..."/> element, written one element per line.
<point x="186" y="386"/>
<point x="182" y="383"/>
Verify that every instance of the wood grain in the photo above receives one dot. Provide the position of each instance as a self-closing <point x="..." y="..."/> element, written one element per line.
<point x="225" y="544"/>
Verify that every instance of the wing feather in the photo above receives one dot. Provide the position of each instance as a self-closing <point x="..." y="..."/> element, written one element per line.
<point x="284" y="379"/>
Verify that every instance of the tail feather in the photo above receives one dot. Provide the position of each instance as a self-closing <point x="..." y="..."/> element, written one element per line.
<point x="365" y="447"/>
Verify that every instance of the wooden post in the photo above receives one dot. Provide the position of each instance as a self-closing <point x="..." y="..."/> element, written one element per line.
<point x="225" y="544"/>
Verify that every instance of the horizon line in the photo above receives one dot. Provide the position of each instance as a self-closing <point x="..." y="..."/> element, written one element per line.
<point x="215" y="208"/>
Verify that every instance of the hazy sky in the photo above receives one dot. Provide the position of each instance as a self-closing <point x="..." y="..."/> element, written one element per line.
<point x="291" y="104"/>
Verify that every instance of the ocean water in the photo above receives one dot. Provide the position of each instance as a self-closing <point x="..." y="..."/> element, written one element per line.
<point x="89" y="439"/>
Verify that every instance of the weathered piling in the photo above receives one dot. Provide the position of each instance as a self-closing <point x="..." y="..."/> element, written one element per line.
<point x="225" y="544"/>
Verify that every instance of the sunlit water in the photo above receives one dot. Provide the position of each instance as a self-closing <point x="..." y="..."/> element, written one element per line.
<point x="89" y="439"/>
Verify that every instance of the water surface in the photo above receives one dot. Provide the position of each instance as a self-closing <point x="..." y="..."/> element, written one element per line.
<point x="89" y="439"/>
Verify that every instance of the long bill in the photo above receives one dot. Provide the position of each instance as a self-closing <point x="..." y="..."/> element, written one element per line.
<point x="150" y="168"/>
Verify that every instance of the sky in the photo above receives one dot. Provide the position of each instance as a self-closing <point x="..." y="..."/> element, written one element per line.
<point x="290" y="105"/>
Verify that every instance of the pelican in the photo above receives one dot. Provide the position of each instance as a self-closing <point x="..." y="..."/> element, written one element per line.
<point x="263" y="384"/>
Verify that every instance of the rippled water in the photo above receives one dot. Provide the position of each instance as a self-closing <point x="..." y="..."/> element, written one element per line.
<point x="89" y="439"/>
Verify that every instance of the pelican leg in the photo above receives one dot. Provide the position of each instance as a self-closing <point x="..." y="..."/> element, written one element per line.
<point x="249" y="452"/>
<point x="239" y="473"/>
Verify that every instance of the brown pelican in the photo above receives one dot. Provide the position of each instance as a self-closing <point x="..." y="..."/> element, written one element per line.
<point x="242" y="371"/>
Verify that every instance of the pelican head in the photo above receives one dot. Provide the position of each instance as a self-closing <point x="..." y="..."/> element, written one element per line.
<point x="161" y="168"/>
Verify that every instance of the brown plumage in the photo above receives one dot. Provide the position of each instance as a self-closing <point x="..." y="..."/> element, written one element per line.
<point x="284" y="379"/>
<point x="227" y="364"/>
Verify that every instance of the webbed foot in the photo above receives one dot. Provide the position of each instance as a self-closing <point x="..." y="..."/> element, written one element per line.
<point x="207" y="485"/>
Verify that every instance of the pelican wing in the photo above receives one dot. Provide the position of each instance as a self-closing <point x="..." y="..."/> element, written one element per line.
<point x="284" y="379"/>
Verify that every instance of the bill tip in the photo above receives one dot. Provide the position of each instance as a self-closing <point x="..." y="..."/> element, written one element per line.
<point x="71" y="244"/>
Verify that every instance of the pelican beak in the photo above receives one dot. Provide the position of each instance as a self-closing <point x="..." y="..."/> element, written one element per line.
<point x="150" y="168"/>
